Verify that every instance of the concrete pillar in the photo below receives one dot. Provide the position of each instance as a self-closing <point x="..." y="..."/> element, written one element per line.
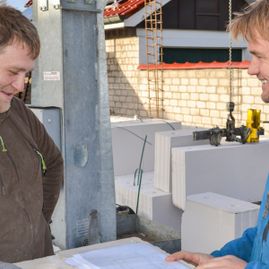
<point x="71" y="74"/>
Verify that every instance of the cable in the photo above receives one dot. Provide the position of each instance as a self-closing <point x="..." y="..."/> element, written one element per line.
<point x="123" y="128"/>
<point x="170" y="125"/>
<point x="139" y="173"/>
<point x="230" y="53"/>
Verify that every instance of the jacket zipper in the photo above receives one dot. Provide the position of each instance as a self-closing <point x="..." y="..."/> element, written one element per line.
<point x="42" y="161"/>
<point x="4" y="149"/>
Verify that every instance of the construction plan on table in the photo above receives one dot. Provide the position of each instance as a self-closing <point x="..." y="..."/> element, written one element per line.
<point x="127" y="256"/>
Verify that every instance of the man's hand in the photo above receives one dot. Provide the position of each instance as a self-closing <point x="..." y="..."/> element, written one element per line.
<point x="190" y="257"/>
<point x="205" y="261"/>
<point x="225" y="262"/>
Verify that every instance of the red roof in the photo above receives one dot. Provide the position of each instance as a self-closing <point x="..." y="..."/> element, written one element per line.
<point x="199" y="65"/>
<point x="124" y="8"/>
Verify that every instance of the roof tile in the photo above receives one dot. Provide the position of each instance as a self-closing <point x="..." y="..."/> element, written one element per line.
<point x="125" y="8"/>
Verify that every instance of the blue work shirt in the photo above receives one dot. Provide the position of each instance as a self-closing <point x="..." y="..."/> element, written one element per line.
<point x="253" y="246"/>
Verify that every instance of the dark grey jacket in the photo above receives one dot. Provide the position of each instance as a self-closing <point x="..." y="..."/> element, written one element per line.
<point x="27" y="196"/>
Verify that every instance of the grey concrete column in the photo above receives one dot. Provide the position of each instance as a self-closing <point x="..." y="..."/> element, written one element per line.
<point x="71" y="74"/>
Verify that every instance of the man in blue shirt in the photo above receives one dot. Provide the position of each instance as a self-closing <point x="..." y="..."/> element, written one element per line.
<point x="251" y="251"/>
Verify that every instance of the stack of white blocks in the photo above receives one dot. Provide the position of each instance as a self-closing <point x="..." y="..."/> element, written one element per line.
<point x="127" y="143"/>
<point x="175" y="166"/>
<point x="156" y="198"/>
<point x="164" y="142"/>
<point x="154" y="205"/>
<point x="232" y="169"/>
<point x="211" y="220"/>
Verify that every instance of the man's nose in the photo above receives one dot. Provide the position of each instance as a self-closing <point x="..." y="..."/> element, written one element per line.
<point x="18" y="83"/>
<point x="253" y="68"/>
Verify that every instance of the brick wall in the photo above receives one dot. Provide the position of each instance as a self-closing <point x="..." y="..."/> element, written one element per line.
<point x="193" y="97"/>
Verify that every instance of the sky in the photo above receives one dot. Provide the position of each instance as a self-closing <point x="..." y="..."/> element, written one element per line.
<point x="19" y="4"/>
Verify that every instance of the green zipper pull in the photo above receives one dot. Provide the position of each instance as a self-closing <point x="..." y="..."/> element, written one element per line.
<point x="4" y="149"/>
<point x="43" y="164"/>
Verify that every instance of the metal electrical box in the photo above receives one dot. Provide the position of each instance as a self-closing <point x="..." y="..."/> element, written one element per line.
<point x="51" y="119"/>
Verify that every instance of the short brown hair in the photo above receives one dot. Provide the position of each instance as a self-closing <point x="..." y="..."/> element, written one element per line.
<point x="252" y="21"/>
<point x="14" y="26"/>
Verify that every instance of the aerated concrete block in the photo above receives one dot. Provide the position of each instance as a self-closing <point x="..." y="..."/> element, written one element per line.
<point x="210" y="220"/>
<point x="127" y="143"/>
<point x="231" y="169"/>
<point x="164" y="142"/>
<point x="154" y="205"/>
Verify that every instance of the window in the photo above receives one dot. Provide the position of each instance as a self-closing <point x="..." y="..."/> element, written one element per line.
<point x="194" y="55"/>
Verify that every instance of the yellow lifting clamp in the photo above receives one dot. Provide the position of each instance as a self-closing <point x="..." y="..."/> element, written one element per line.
<point x="244" y="134"/>
<point x="253" y="123"/>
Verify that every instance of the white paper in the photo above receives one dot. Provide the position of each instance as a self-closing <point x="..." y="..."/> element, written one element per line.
<point x="127" y="256"/>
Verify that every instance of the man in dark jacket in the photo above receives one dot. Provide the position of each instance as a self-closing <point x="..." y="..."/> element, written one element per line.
<point x="251" y="251"/>
<point x="31" y="166"/>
